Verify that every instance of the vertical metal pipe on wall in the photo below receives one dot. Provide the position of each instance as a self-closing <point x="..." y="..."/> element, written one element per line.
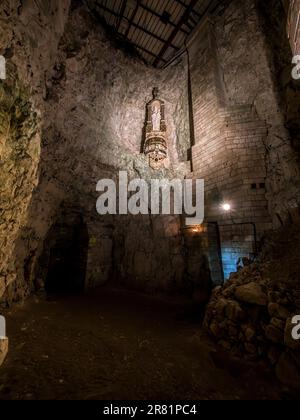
<point x="191" y="111"/>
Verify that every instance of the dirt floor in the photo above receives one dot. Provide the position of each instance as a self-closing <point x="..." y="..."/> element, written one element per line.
<point x="120" y="345"/>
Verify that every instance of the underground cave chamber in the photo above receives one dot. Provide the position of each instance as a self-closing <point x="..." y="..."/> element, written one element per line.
<point x="171" y="91"/>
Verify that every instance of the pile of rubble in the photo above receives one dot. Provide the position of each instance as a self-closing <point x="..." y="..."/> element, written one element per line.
<point x="251" y="315"/>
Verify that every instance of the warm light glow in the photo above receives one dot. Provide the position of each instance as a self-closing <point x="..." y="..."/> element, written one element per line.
<point x="197" y="229"/>
<point x="226" y="207"/>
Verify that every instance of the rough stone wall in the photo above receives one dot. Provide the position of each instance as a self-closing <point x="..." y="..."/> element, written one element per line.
<point x="251" y="315"/>
<point x="242" y="148"/>
<point x="78" y="115"/>
<point x="274" y="21"/>
<point x="29" y="35"/>
<point x="93" y="104"/>
<point x="245" y="54"/>
<point x="103" y="95"/>
<point x="293" y="26"/>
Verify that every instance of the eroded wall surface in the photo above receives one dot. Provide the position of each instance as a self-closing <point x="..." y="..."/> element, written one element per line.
<point x="293" y="26"/>
<point x="243" y="148"/>
<point x="29" y="37"/>
<point x="73" y="111"/>
<point x="90" y="99"/>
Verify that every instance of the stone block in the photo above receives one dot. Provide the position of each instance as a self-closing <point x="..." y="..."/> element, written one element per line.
<point x="251" y="293"/>
<point x="234" y="312"/>
<point x="278" y="311"/>
<point x="274" y="334"/>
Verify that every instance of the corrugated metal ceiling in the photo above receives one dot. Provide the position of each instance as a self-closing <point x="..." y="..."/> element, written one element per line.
<point x="156" y="28"/>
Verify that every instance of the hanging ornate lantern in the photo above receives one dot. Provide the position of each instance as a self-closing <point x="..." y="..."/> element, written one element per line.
<point x="155" y="144"/>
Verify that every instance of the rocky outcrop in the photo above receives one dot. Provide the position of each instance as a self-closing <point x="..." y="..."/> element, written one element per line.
<point x="19" y="153"/>
<point x="293" y="26"/>
<point x="29" y="36"/>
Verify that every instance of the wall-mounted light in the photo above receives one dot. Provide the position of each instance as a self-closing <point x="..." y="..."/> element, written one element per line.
<point x="226" y="207"/>
<point x="198" y="229"/>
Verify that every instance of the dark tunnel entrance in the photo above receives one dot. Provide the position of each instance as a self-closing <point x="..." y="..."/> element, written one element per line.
<point x="67" y="258"/>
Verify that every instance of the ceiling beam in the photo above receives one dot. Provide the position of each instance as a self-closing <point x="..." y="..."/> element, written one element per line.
<point x="178" y="27"/>
<point x="141" y="28"/>
<point x="133" y="15"/>
<point x="137" y="46"/>
<point x="186" y="6"/>
<point x="106" y="9"/>
<point x="191" y="19"/>
<point x="154" y="13"/>
<point x="189" y="25"/>
<point x="122" y="11"/>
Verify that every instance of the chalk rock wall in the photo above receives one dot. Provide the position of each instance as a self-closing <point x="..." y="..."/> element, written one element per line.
<point x="251" y="315"/>
<point x="73" y="111"/>
<point x="293" y="25"/>
<point x="263" y="79"/>
<point x="241" y="63"/>
<point x="245" y="109"/>
<point x="29" y="35"/>
<point x="91" y="101"/>
<point x="252" y="75"/>
<point x="274" y="21"/>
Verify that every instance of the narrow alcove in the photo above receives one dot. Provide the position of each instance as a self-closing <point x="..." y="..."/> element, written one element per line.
<point x="67" y="257"/>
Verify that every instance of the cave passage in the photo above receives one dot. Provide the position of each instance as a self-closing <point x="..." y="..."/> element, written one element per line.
<point x="67" y="259"/>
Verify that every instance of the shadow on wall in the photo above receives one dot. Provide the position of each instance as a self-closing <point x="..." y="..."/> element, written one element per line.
<point x="64" y="259"/>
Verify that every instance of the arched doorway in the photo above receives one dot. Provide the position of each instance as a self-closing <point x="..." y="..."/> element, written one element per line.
<point x="67" y="256"/>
